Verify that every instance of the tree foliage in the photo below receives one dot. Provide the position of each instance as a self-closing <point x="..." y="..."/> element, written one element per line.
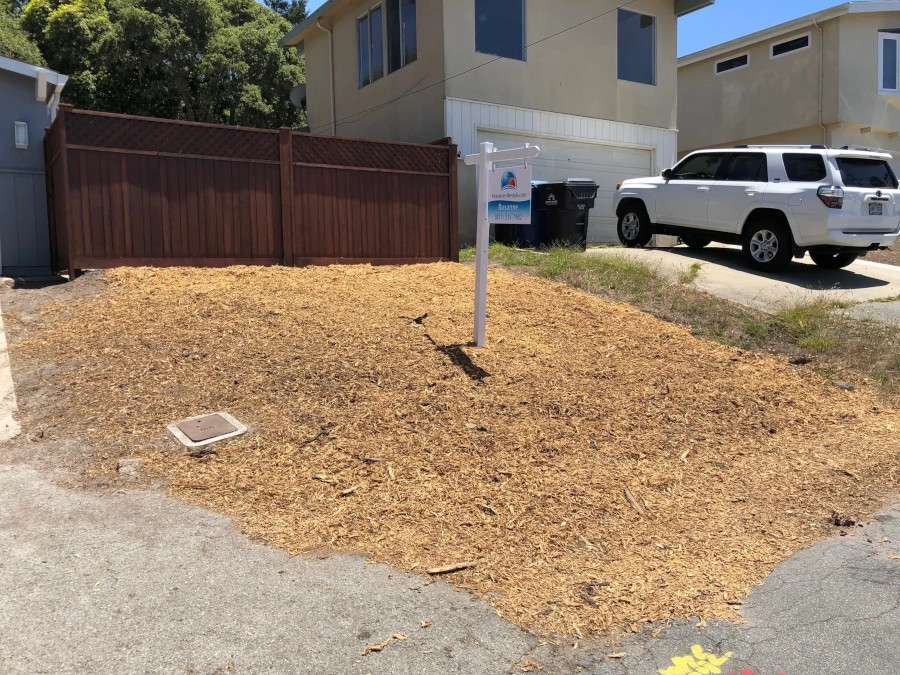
<point x="14" y="43"/>
<point x="201" y="60"/>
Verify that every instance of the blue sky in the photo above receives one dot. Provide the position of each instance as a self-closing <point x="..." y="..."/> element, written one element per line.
<point x="726" y="20"/>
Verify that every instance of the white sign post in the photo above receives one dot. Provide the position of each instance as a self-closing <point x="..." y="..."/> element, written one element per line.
<point x="485" y="161"/>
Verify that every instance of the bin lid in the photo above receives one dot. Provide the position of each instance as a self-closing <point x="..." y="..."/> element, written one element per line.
<point x="573" y="181"/>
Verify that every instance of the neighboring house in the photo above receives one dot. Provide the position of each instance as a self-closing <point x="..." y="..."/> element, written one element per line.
<point x="27" y="108"/>
<point x="829" y="78"/>
<point x="592" y="84"/>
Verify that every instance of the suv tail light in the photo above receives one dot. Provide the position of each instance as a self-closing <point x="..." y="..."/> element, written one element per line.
<point x="832" y="197"/>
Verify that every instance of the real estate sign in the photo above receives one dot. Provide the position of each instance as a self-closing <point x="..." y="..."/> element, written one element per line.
<point x="510" y="195"/>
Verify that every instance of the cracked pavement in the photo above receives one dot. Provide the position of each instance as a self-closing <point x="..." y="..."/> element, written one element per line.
<point x="136" y="582"/>
<point x="830" y="609"/>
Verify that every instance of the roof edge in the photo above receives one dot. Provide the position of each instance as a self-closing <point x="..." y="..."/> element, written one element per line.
<point x="852" y="7"/>
<point x="32" y="71"/>
<point x="295" y="36"/>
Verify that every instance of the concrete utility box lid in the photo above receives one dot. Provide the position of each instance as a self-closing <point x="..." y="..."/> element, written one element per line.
<point x="204" y="429"/>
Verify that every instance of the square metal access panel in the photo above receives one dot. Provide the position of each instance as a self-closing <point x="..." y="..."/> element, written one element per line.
<point x="194" y="432"/>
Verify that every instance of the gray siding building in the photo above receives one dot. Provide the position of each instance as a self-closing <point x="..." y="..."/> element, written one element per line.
<point x="29" y="97"/>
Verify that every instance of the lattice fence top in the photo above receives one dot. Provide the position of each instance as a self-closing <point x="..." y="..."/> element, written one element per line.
<point x="310" y="149"/>
<point x="145" y="135"/>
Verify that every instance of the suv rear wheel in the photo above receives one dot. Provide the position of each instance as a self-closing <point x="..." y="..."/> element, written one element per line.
<point x="695" y="243"/>
<point x="767" y="245"/>
<point x="833" y="261"/>
<point x="634" y="228"/>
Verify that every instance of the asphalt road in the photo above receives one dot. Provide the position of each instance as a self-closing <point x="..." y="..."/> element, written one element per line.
<point x="723" y="273"/>
<point x="137" y="582"/>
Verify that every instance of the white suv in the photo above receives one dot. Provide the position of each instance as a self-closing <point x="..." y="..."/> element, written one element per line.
<point x="778" y="202"/>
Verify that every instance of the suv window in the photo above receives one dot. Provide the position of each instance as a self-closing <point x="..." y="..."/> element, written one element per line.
<point x="804" y="167"/>
<point x="699" y="167"/>
<point x="746" y="167"/>
<point x="866" y="173"/>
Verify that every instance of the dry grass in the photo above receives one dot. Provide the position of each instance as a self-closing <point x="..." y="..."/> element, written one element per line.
<point x="865" y="353"/>
<point x="515" y="456"/>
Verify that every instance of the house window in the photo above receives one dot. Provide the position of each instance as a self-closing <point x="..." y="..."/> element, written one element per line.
<point x="370" y="40"/>
<point x="401" y="33"/>
<point x="888" y="63"/>
<point x="734" y="63"/>
<point x="793" y="45"/>
<point x="637" y="47"/>
<point x="500" y="28"/>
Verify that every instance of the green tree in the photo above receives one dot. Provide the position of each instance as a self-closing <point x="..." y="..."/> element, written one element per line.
<point x="71" y="36"/>
<point x="202" y="60"/>
<point x="292" y="10"/>
<point x="15" y="44"/>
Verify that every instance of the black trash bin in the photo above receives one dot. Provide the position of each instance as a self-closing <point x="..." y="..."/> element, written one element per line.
<point x="525" y="236"/>
<point x="568" y="204"/>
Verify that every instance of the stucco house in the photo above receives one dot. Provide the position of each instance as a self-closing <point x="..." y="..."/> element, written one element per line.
<point x="829" y="78"/>
<point x="594" y="85"/>
<point x="27" y="108"/>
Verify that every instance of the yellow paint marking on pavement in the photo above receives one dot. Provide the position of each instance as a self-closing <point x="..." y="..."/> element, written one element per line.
<point x="698" y="663"/>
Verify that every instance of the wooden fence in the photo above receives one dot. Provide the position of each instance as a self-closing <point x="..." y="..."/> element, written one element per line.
<point x="129" y="190"/>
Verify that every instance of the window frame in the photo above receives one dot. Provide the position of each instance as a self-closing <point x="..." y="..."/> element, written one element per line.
<point x="807" y="35"/>
<point x="655" y="56"/>
<point x="367" y="16"/>
<point x="731" y="70"/>
<point x="395" y="8"/>
<point x="882" y="38"/>
<point x="524" y="57"/>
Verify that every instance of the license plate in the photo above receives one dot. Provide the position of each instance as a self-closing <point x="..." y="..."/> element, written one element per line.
<point x="876" y="209"/>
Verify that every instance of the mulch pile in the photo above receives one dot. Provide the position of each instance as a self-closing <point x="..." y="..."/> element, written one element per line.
<point x="598" y="466"/>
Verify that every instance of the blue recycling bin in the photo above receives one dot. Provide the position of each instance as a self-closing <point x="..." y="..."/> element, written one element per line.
<point x="525" y="236"/>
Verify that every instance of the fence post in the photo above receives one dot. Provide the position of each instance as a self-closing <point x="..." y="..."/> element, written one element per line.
<point x="454" y="202"/>
<point x="61" y="115"/>
<point x="287" y="195"/>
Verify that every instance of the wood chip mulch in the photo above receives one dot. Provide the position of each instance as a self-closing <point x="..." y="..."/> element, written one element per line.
<point x="592" y="467"/>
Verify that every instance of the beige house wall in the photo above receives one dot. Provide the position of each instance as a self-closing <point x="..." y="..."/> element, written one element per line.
<point x="765" y="99"/>
<point x="776" y="100"/>
<point x="552" y="78"/>
<point x="859" y="99"/>
<point x="419" y="118"/>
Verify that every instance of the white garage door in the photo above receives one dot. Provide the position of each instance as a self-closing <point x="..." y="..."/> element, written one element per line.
<point x="606" y="165"/>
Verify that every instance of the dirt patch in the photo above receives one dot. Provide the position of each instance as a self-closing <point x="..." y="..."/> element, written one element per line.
<point x="598" y="466"/>
<point x="889" y="256"/>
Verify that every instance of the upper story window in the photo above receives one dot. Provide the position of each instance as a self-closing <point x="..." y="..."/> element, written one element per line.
<point x="734" y="63"/>
<point x="402" y="44"/>
<point x="793" y="45"/>
<point x="370" y="41"/>
<point x="500" y="28"/>
<point x="888" y="63"/>
<point x="637" y="47"/>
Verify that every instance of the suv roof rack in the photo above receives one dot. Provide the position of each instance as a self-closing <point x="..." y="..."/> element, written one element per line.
<point x="861" y="147"/>
<point x="792" y="147"/>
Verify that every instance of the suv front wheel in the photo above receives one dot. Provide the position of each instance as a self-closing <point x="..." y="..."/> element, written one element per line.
<point x="833" y="261"/>
<point x="634" y="228"/>
<point x="767" y="245"/>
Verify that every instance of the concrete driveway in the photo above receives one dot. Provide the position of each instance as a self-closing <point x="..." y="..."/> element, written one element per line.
<point x="723" y="273"/>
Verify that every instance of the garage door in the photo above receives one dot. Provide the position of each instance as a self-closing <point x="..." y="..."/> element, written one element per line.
<point x="606" y="165"/>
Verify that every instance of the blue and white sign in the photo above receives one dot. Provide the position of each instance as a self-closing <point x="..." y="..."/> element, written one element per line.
<point x="510" y="196"/>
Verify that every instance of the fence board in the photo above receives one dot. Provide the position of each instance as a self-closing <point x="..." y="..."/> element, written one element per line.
<point x="126" y="190"/>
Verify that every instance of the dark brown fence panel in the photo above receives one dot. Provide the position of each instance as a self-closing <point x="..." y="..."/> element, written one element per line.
<point x="374" y="201"/>
<point x="141" y="191"/>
